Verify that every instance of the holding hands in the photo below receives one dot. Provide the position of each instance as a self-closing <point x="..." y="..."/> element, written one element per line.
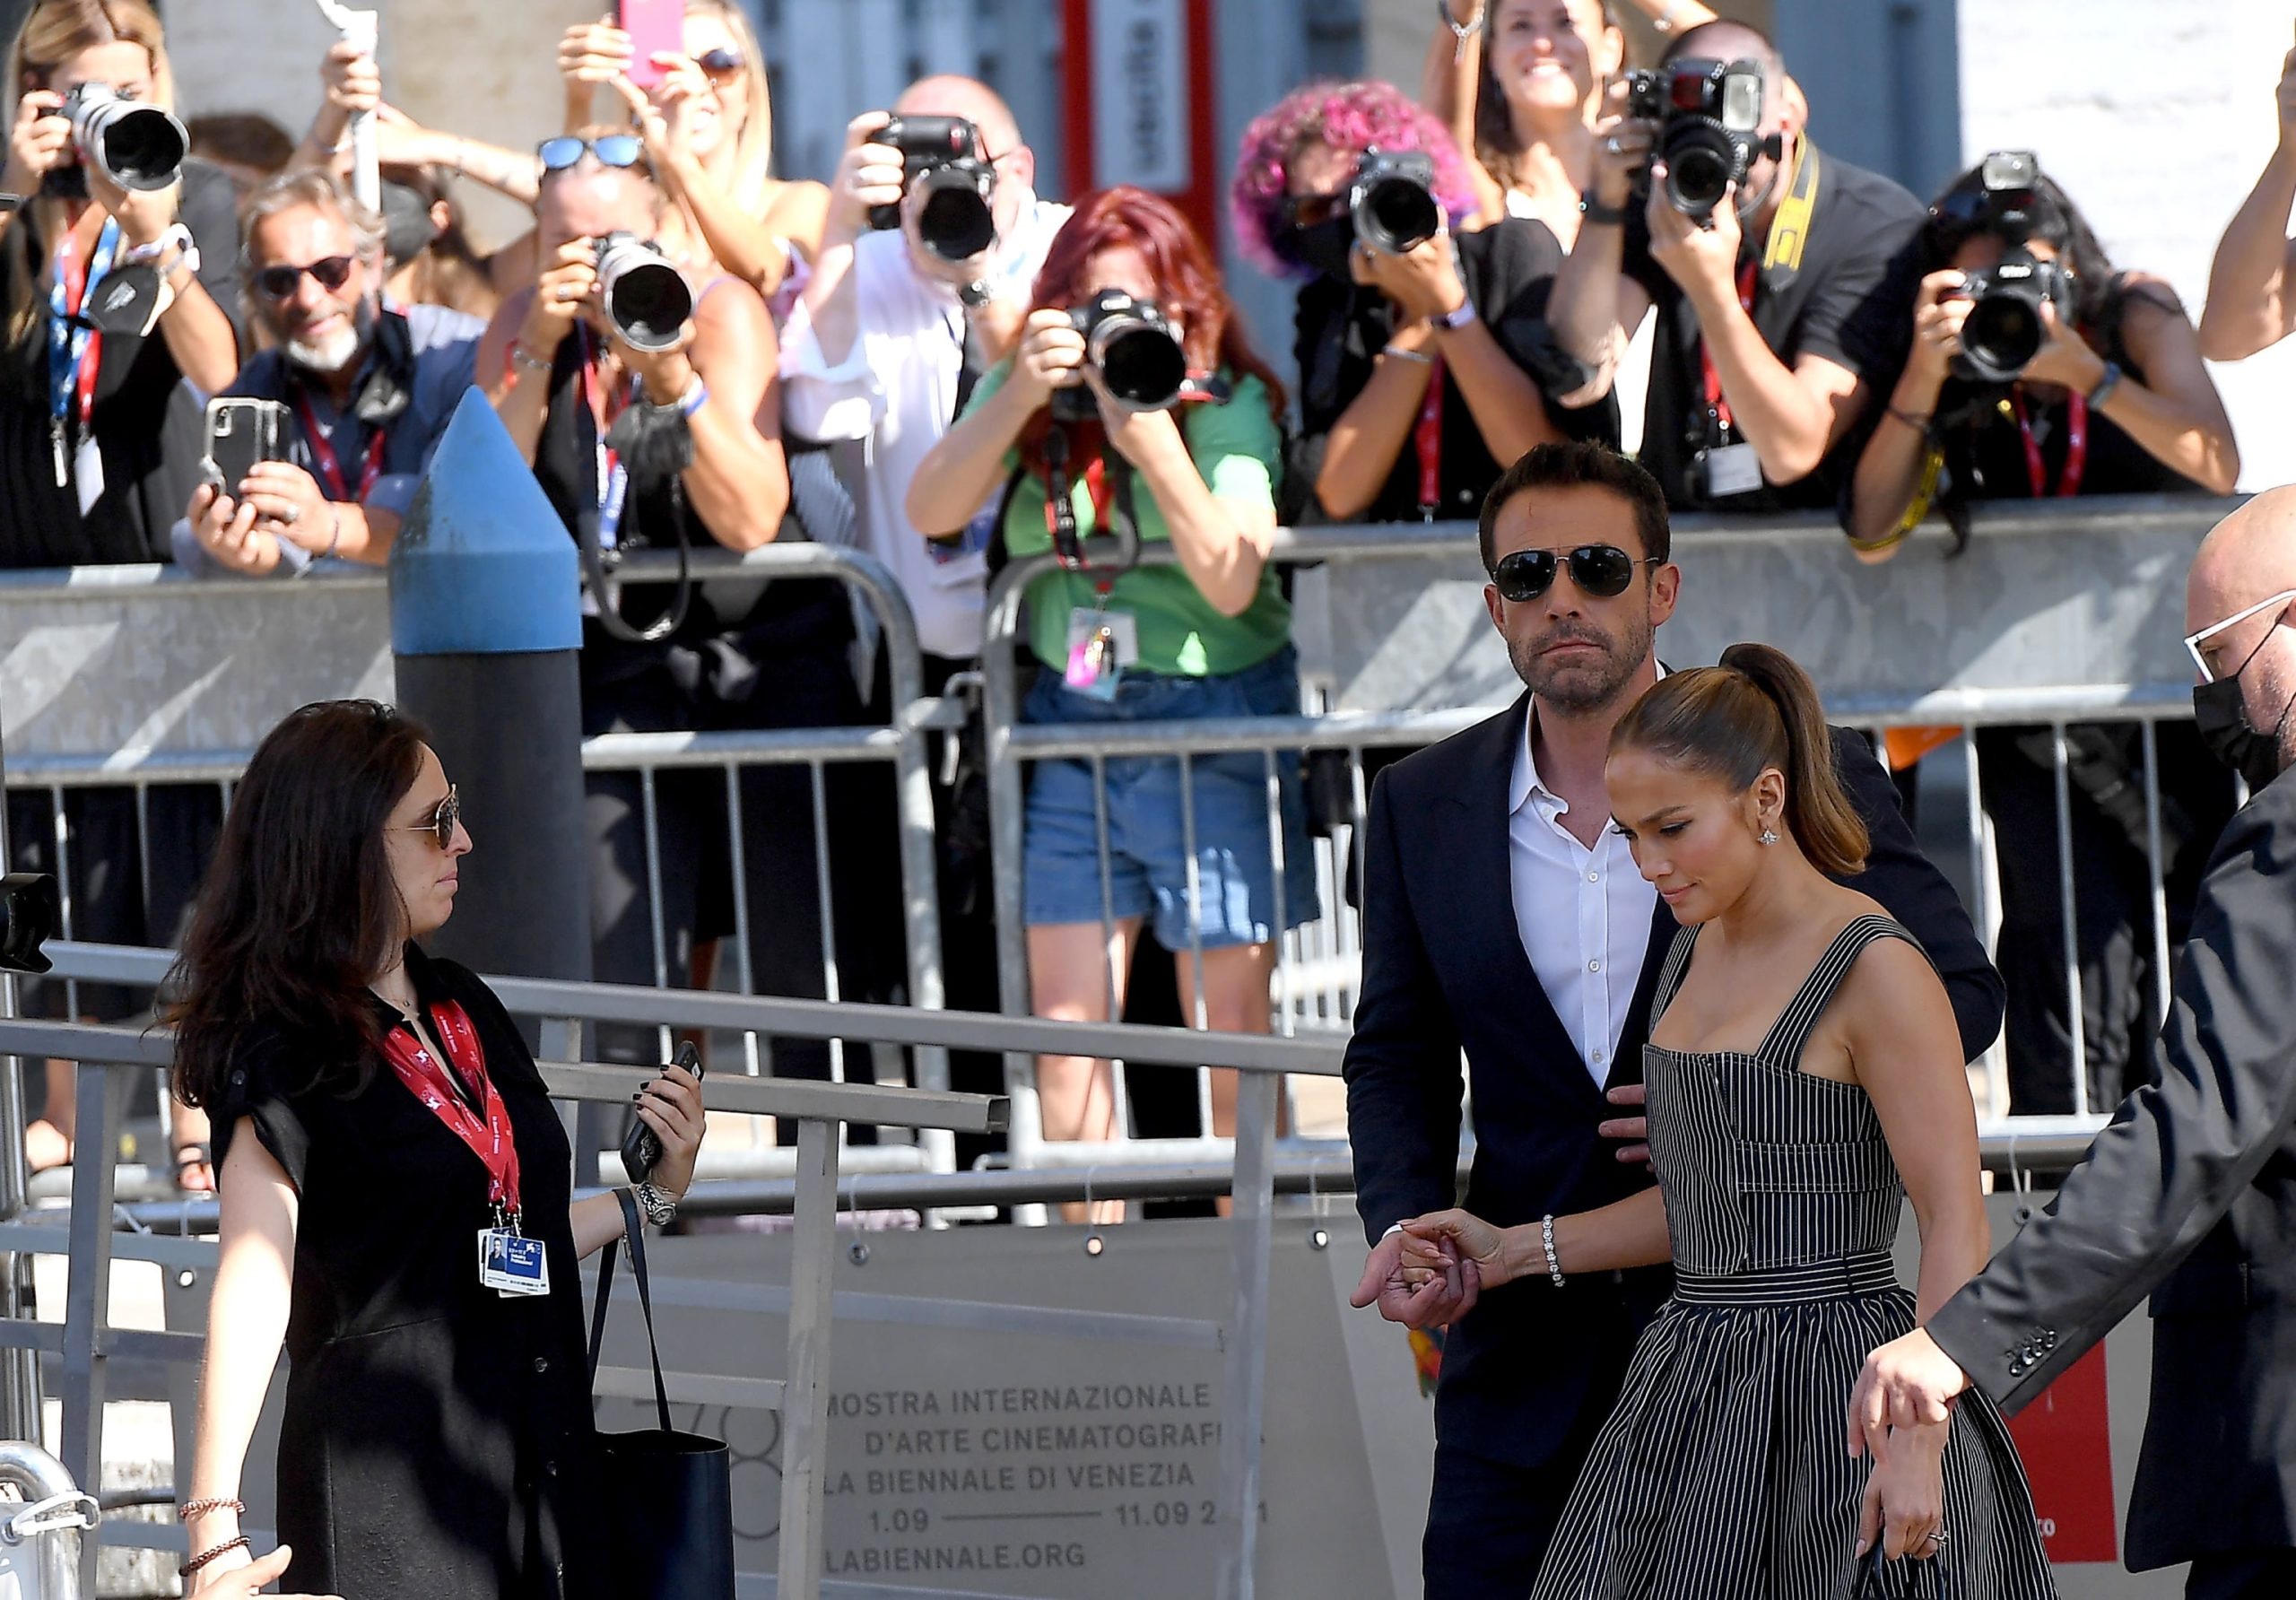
<point x="1440" y="1295"/>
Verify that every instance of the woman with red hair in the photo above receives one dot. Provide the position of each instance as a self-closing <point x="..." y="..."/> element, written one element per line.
<point x="1207" y="635"/>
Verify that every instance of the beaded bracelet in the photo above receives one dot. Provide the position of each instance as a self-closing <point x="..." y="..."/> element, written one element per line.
<point x="206" y="1556"/>
<point x="1546" y="1238"/>
<point x="200" y="1507"/>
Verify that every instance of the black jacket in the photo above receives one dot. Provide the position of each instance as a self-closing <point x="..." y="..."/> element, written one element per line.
<point x="2191" y="1195"/>
<point x="1532" y="1370"/>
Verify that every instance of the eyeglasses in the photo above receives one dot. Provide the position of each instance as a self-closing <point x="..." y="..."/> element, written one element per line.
<point x="721" y="64"/>
<point x="442" y="821"/>
<point x="280" y="282"/>
<point x="1602" y="570"/>
<point x="609" y="150"/>
<point x="2193" y="641"/>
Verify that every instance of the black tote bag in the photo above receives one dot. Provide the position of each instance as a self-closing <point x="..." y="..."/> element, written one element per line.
<point x="674" y="1492"/>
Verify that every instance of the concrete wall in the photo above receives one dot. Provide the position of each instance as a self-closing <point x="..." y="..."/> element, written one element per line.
<point x="2156" y="119"/>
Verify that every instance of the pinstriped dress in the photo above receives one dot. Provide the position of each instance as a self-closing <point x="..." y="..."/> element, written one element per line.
<point x="1722" y="1474"/>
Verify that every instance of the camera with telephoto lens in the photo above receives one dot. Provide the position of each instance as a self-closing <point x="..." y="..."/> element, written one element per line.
<point x="1393" y="200"/>
<point x="646" y="296"/>
<point x="2005" y="330"/>
<point x="137" y="146"/>
<point x="31" y="911"/>
<point x="1132" y="347"/>
<point x="941" y="155"/>
<point x="1707" y="113"/>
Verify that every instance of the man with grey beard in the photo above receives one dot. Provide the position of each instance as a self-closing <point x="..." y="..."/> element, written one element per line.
<point x="369" y="390"/>
<point x="1504" y="923"/>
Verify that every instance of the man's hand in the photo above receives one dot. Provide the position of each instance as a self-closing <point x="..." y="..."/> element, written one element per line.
<point x="226" y="531"/>
<point x="289" y="505"/>
<point x="1703" y="258"/>
<point x="1440" y="1301"/>
<point x="1634" y="1132"/>
<point x="1907" y="1383"/>
<point x="1621" y="150"/>
<point x="568" y="283"/>
<point x="1424" y="281"/>
<point x="1475" y="1243"/>
<point x="972" y="269"/>
<point x="868" y="175"/>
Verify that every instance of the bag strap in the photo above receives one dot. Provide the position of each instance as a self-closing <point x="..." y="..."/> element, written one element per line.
<point x="634" y="1231"/>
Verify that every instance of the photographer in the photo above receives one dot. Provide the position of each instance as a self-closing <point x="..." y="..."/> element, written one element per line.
<point x="100" y="437"/>
<point x="890" y="334"/>
<point x="664" y="438"/>
<point x="1129" y="291"/>
<point x="2037" y="371"/>
<point x="369" y="392"/>
<point x="1422" y="367"/>
<point x="2249" y="306"/>
<point x="1775" y="302"/>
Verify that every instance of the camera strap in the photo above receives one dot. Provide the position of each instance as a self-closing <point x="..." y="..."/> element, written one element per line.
<point x="598" y="534"/>
<point x="74" y="348"/>
<point x="1059" y="497"/>
<point x="2076" y="444"/>
<point x="1427" y="440"/>
<point x="1717" y="407"/>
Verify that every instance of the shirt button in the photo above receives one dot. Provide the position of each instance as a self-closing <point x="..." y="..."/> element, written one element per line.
<point x="1594" y="877"/>
<point x="542" y="1363"/>
<point x="1598" y="1058"/>
<point x="1594" y="966"/>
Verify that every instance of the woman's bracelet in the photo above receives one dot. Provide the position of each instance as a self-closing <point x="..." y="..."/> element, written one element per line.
<point x="212" y="1552"/>
<point x="1400" y="354"/>
<point x="200" y="1508"/>
<point x="1547" y="1241"/>
<point x="1919" y="421"/>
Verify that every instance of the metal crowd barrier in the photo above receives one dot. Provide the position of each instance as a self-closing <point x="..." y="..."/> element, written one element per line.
<point x="902" y="747"/>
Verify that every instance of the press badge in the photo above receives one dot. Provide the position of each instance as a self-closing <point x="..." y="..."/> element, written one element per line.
<point x="88" y="471"/>
<point x="1100" y="645"/>
<point x="512" y="1265"/>
<point x="1728" y="470"/>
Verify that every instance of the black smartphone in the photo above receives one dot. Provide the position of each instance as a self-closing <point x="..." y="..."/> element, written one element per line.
<point x="240" y="432"/>
<point x="641" y="1146"/>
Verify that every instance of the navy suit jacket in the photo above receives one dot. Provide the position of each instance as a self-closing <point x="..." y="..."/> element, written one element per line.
<point x="1531" y="1372"/>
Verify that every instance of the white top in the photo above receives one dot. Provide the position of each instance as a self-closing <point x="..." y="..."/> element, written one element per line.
<point x="897" y="393"/>
<point x="1584" y="916"/>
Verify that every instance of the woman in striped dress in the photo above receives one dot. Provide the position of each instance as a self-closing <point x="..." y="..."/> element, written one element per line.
<point x="1805" y="1079"/>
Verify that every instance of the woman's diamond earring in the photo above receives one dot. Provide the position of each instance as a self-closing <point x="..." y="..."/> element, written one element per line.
<point x="1768" y="836"/>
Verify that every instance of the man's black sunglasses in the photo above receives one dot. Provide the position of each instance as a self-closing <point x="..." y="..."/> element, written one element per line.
<point x="1602" y="570"/>
<point x="279" y="283"/>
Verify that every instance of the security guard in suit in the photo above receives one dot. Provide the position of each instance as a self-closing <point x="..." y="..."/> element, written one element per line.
<point x="2190" y="1194"/>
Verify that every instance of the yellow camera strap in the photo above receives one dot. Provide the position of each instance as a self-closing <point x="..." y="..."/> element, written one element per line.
<point x="1790" y="232"/>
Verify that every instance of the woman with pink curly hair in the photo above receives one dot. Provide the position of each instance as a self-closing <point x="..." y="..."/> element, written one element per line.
<point x="1422" y="372"/>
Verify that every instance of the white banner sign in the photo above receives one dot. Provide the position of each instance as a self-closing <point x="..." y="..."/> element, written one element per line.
<point x="1140" y="94"/>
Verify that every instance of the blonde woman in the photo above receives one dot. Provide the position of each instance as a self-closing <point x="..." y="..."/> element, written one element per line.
<point x="709" y="127"/>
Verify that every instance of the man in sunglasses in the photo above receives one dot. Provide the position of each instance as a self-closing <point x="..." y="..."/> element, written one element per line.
<point x="369" y="390"/>
<point x="2190" y="1195"/>
<point x="1504" y="920"/>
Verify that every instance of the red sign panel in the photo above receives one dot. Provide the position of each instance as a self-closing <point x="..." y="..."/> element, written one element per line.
<point x="2065" y="1438"/>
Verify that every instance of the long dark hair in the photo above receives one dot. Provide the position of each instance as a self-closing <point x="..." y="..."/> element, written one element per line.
<point x="299" y="909"/>
<point x="1756" y="710"/>
<point x="2099" y="294"/>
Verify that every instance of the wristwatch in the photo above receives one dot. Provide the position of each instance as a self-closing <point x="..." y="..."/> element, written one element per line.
<point x="659" y="1208"/>
<point x="9" y="202"/>
<point x="1595" y="211"/>
<point x="2105" y="385"/>
<point x="1451" y="322"/>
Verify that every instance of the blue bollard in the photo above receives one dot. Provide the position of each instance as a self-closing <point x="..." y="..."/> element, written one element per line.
<point x="486" y="628"/>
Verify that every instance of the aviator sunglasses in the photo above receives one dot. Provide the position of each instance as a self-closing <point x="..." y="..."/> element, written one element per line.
<point x="1602" y="570"/>
<point x="441" y="823"/>
<point x="719" y="65"/>
<point x="278" y="283"/>
<point x="610" y="149"/>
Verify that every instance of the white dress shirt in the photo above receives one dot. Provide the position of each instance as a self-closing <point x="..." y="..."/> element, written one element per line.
<point x="1583" y="915"/>
<point x="896" y="391"/>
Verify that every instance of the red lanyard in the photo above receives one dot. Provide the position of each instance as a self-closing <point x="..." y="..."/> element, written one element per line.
<point x="1428" y="439"/>
<point x="72" y="273"/>
<point x="490" y="1141"/>
<point x="1715" y="403"/>
<point x="1059" y="508"/>
<point x="324" y="458"/>
<point x="2076" y="446"/>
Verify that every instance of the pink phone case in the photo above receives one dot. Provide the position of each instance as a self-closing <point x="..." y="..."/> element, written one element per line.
<point x="654" y="26"/>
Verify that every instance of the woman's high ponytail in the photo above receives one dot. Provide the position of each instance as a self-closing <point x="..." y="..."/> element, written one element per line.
<point x="1817" y="807"/>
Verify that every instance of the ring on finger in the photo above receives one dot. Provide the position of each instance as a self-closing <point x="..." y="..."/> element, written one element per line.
<point x="1613" y="146"/>
<point x="291" y="515"/>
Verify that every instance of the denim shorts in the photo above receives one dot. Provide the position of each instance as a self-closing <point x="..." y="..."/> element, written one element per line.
<point x="1147" y="829"/>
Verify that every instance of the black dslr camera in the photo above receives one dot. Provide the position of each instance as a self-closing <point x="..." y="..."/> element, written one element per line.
<point x="1393" y="200"/>
<point x="2004" y="331"/>
<point x="942" y="154"/>
<point x="135" y="145"/>
<point x="1131" y="347"/>
<point x="646" y="296"/>
<point x="31" y="912"/>
<point x="1707" y="112"/>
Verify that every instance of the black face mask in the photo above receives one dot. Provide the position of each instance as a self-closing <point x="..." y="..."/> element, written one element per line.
<point x="2221" y="720"/>
<point x="1323" y="246"/>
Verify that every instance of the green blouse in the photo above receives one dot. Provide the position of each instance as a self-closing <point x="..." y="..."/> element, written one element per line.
<point x="1239" y="452"/>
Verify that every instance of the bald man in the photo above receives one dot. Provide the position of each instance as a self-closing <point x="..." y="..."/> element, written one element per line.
<point x="888" y="336"/>
<point x="2190" y="1193"/>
